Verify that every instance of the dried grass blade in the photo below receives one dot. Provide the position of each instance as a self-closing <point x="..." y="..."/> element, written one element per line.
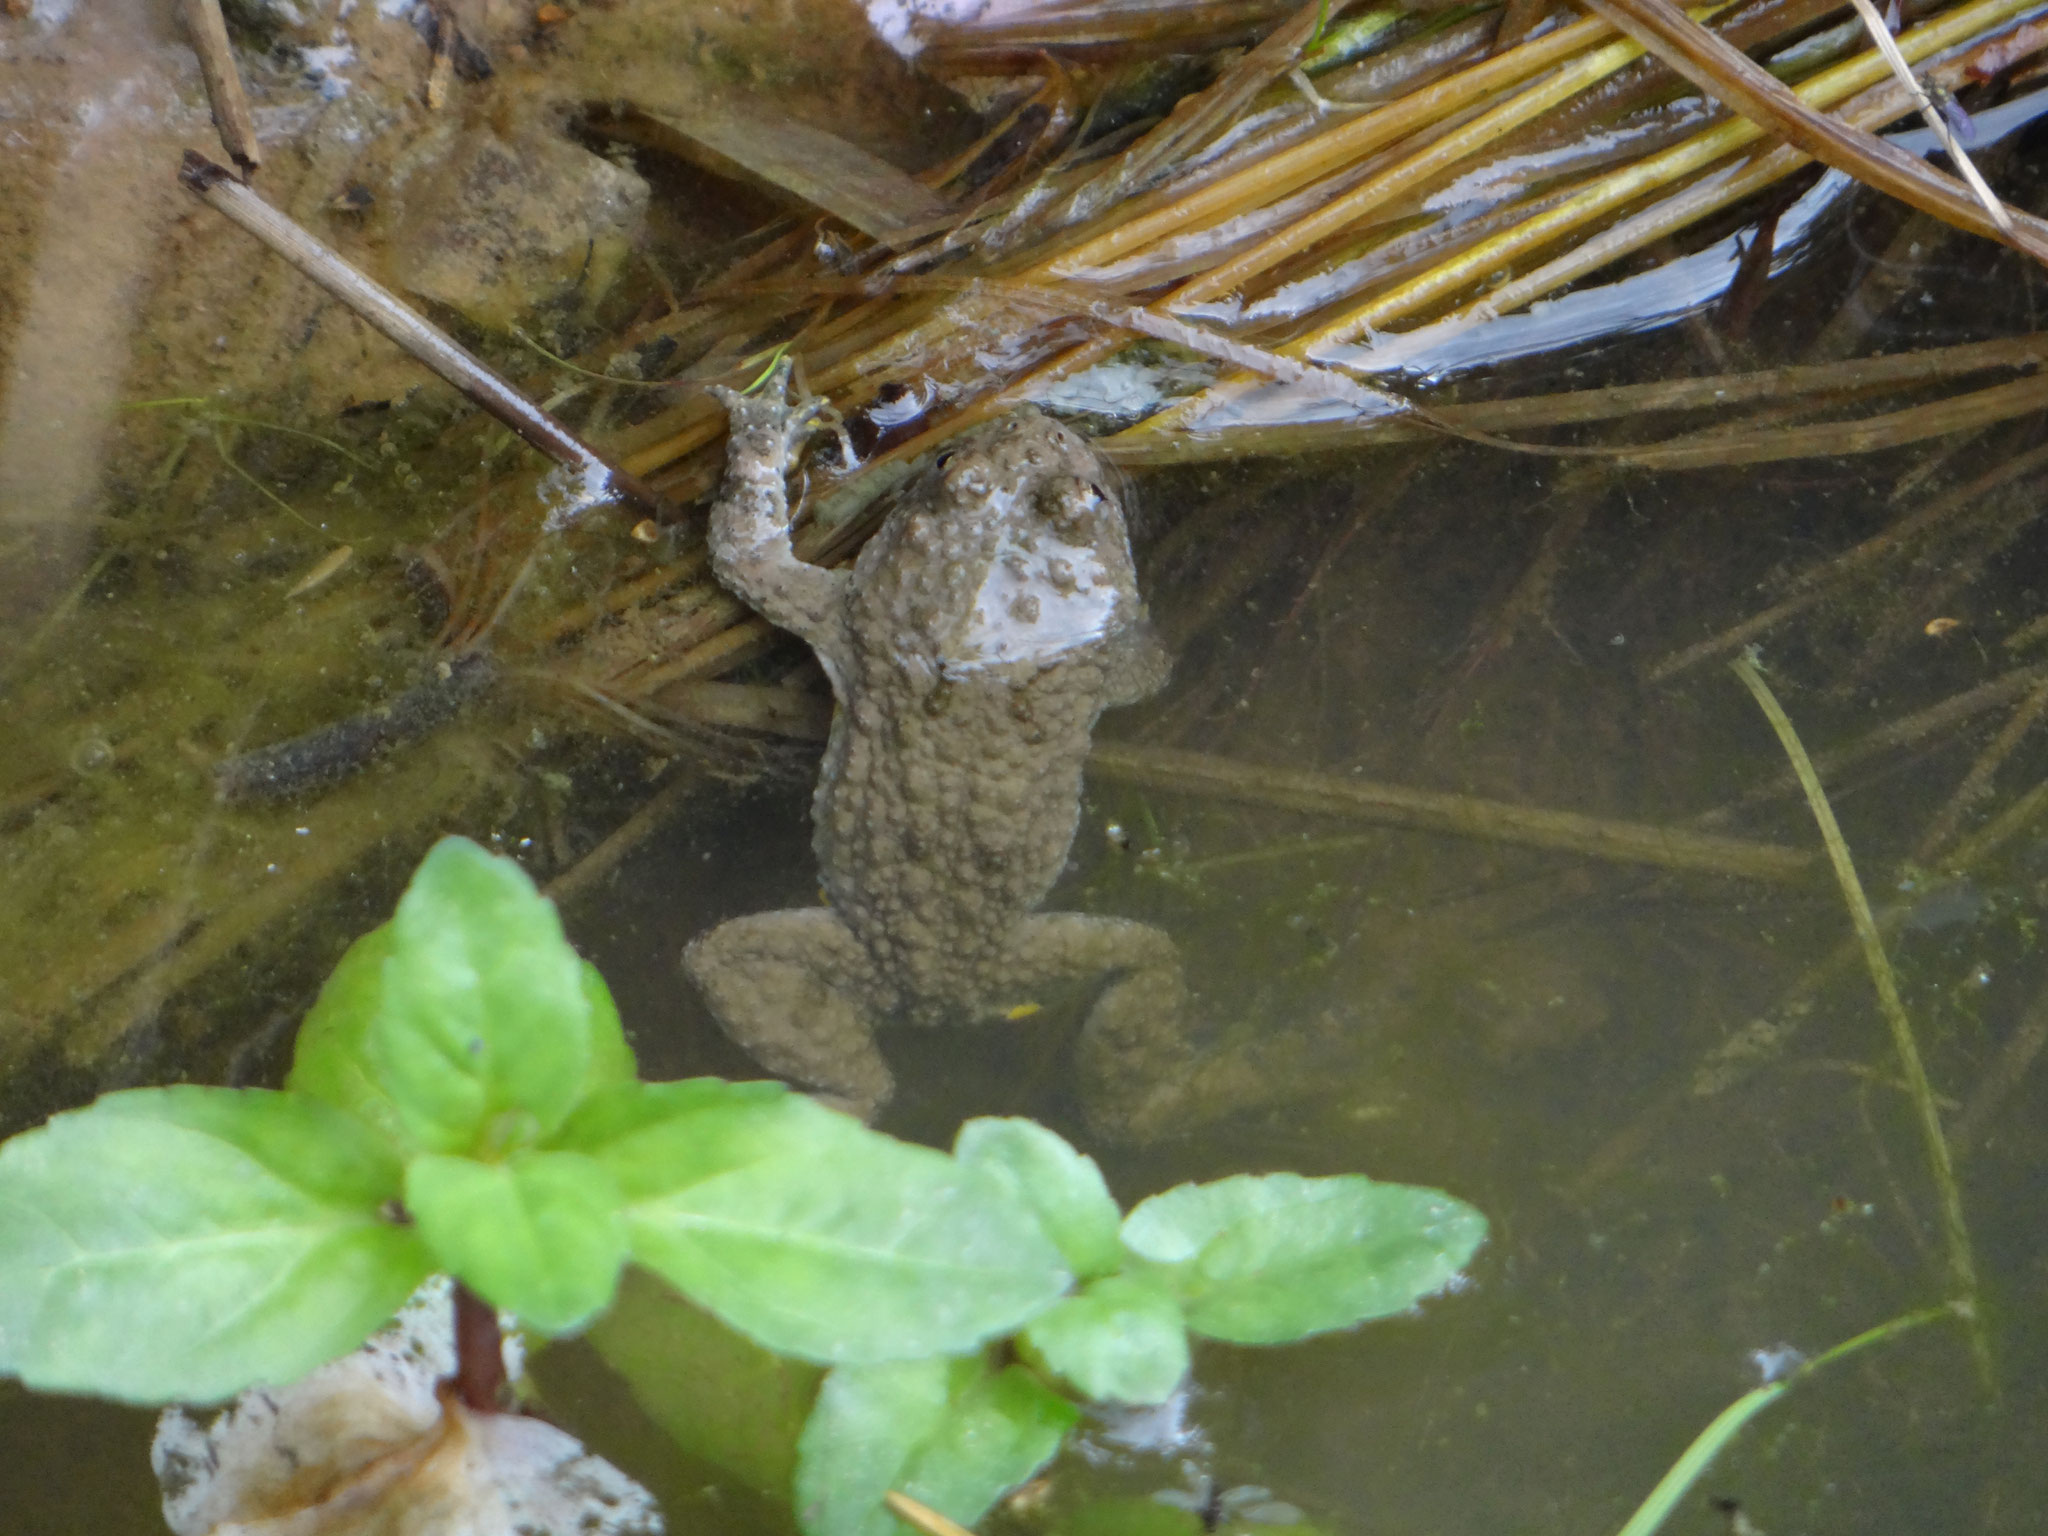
<point x="1295" y="167"/>
<point x="1716" y="67"/>
<point x="1870" y="434"/>
<point x="1612" y="192"/>
<point x="1881" y="35"/>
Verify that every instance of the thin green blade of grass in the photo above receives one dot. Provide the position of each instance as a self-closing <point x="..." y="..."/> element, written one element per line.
<point x="1731" y="1421"/>
<point x="1962" y="1265"/>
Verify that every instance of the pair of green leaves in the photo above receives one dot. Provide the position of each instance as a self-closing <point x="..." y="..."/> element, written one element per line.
<point x="1247" y="1260"/>
<point x="1262" y="1259"/>
<point x="463" y="1100"/>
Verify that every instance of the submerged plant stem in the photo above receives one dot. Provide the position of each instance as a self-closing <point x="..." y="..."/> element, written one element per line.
<point x="1962" y="1265"/>
<point x="1328" y="794"/>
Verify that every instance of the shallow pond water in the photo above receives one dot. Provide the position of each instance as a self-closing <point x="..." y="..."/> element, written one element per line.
<point x="1669" y="1091"/>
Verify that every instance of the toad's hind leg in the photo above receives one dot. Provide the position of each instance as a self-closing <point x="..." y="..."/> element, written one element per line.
<point x="1142" y="1075"/>
<point x="1135" y="1058"/>
<point x="785" y="987"/>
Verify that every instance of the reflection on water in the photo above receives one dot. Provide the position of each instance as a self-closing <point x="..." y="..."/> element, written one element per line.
<point x="1670" y="1092"/>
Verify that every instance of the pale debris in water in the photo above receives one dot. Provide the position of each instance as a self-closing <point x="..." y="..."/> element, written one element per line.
<point x="570" y="490"/>
<point x="365" y="1447"/>
<point x="1123" y="390"/>
<point x="895" y="21"/>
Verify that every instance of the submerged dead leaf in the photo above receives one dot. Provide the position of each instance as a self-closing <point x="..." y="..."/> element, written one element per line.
<point x="373" y="1445"/>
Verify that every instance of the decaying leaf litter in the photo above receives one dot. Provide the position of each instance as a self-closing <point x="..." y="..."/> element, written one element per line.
<point x="1274" y="235"/>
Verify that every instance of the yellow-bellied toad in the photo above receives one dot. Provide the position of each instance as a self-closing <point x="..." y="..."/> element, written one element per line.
<point x="970" y="648"/>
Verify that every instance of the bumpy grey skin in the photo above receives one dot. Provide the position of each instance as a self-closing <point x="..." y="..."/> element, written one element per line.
<point x="978" y="636"/>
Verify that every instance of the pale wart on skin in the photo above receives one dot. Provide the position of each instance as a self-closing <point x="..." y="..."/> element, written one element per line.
<point x="970" y="649"/>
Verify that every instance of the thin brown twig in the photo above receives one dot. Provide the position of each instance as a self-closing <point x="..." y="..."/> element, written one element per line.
<point x="593" y="479"/>
<point x="224" y="94"/>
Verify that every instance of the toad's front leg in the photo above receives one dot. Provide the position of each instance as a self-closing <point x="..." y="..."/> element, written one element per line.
<point x="750" y="547"/>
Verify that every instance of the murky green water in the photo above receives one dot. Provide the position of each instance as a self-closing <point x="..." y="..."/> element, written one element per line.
<point x="1692" y="1143"/>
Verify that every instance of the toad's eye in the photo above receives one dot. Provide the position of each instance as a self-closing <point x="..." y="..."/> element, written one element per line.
<point x="945" y="457"/>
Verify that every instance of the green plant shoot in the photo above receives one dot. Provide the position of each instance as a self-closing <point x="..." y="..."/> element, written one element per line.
<point x="463" y="1101"/>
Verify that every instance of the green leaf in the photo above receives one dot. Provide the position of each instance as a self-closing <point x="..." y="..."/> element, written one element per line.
<point x="867" y="1424"/>
<point x="184" y="1243"/>
<point x="611" y="1058"/>
<point x="718" y="1395"/>
<point x="538" y="1234"/>
<point x="657" y="1138"/>
<point x="1122" y="1340"/>
<point x="875" y="1251"/>
<point x="1135" y="1517"/>
<point x="1065" y="1188"/>
<point x="483" y="1040"/>
<point x="950" y="1433"/>
<point x="1265" y="1259"/>
<point x="330" y="1060"/>
<point x="999" y="1428"/>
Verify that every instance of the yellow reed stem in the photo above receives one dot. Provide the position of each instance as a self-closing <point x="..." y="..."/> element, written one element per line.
<point x="1822" y="91"/>
<point x="1470" y="267"/>
<point x="1415" y="171"/>
<point x="1290" y="169"/>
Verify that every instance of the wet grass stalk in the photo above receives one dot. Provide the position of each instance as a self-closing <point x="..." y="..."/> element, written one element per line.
<point x="1766" y="1039"/>
<point x="1731" y="1421"/>
<point x="1817" y="582"/>
<point x="1962" y="1266"/>
<point x="1976" y="784"/>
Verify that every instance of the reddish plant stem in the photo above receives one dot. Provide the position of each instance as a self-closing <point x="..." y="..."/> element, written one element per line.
<point x="479" y="1352"/>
